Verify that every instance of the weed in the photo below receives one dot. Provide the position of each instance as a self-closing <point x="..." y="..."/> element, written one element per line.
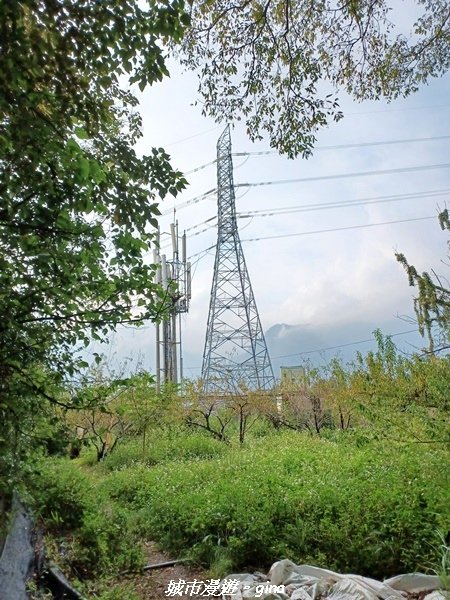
<point x="442" y="565"/>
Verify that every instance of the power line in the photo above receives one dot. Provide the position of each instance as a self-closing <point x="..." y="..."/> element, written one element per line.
<point x="334" y="147"/>
<point x="213" y="162"/>
<point x="344" y="345"/>
<point x="286" y="235"/>
<point x="201" y="252"/>
<point x="318" y="231"/>
<point x="387" y="110"/>
<point x="372" y="339"/>
<point x="354" y="145"/>
<point x="191" y="201"/>
<point x="347" y="114"/>
<point x="212" y="191"/>
<point x="312" y="207"/>
<point x="207" y="228"/>
<point x="195" y="200"/>
<point x="195" y="135"/>
<point x="346" y="175"/>
<point x="200" y="224"/>
<point x="340" y="204"/>
<point x="201" y="230"/>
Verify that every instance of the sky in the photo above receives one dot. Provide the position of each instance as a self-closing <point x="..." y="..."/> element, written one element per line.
<point x="317" y="292"/>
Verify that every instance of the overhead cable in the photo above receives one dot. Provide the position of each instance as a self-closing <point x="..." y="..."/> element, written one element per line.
<point x="212" y="191"/>
<point x="189" y="202"/>
<point x="195" y="135"/>
<point x="213" y="162"/>
<point x="372" y="339"/>
<point x="354" y="145"/>
<point x="312" y="207"/>
<point x="318" y="231"/>
<point x="201" y="252"/>
<point x="339" y="204"/>
<point x="286" y="235"/>
<point x="345" y="175"/>
<point x="388" y="110"/>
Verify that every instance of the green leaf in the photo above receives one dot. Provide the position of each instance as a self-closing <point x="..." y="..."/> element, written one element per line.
<point x="83" y="167"/>
<point x="81" y="133"/>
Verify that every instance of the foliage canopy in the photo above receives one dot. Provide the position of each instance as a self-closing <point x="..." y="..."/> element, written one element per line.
<point x="278" y="63"/>
<point x="77" y="204"/>
<point x="432" y="303"/>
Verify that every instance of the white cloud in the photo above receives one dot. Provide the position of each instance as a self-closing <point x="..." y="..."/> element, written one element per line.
<point x="344" y="281"/>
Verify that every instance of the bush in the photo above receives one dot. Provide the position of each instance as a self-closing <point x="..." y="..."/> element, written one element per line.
<point x="102" y="537"/>
<point x="179" y="446"/>
<point x="106" y="542"/>
<point x="372" y="510"/>
<point x="344" y="502"/>
<point x="61" y="493"/>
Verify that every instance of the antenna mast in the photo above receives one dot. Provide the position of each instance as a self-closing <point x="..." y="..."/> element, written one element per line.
<point x="175" y="278"/>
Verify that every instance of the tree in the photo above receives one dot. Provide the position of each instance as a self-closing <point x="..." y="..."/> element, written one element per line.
<point x="206" y="412"/>
<point x="300" y="403"/>
<point x="78" y="206"/>
<point x="432" y="304"/>
<point x="401" y="397"/>
<point x="147" y="409"/>
<point x="278" y="63"/>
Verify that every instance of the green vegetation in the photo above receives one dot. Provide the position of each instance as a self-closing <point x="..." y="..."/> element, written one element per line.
<point x="432" y="304"/>
<point x="348" y="472"/>
<point x="78" y="206"/>
<point x="280" y="66"/>
<point x="338" y="501"/>
<point x="349" y="469"/>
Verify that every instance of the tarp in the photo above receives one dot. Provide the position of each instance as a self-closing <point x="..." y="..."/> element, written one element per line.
<point x="16" y="561"/>
<point x="21" y="561"/>
<point x="286" y="580"/>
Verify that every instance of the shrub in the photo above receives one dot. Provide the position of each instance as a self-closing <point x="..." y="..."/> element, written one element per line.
<point x="61" y="493"/>
<point x="372" y="509"/>
<point x="343" y="502"/>
<point x="166" y="447"/>
<point x="102" y="536"/>
<point x="106" y="541"/>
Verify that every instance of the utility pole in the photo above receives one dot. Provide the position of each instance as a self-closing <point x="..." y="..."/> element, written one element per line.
<point x="235" y="351"/>
<point x="174" y="276"/>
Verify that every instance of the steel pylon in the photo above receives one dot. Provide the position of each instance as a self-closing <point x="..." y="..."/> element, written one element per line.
<point x="235" y="355"/>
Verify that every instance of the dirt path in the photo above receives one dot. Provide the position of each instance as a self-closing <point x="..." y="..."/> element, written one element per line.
<point x="152" y="584"/>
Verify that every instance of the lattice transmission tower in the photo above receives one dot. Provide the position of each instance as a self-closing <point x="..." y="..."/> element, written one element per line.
<point x="235" y="349"/>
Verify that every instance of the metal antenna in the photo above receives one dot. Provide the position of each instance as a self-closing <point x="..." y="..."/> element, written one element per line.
<point x="175" y="277"/>
<point x="235" y="352"/>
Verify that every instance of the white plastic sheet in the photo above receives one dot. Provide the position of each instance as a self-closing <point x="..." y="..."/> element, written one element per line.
<point x="286" y="580"/>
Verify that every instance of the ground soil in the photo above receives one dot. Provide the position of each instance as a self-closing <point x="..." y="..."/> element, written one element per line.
<point x="152" y="584"/>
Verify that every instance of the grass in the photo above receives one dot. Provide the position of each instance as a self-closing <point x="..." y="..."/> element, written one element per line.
<point x="372" y="509"/>
<point x="166" y="446"/>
